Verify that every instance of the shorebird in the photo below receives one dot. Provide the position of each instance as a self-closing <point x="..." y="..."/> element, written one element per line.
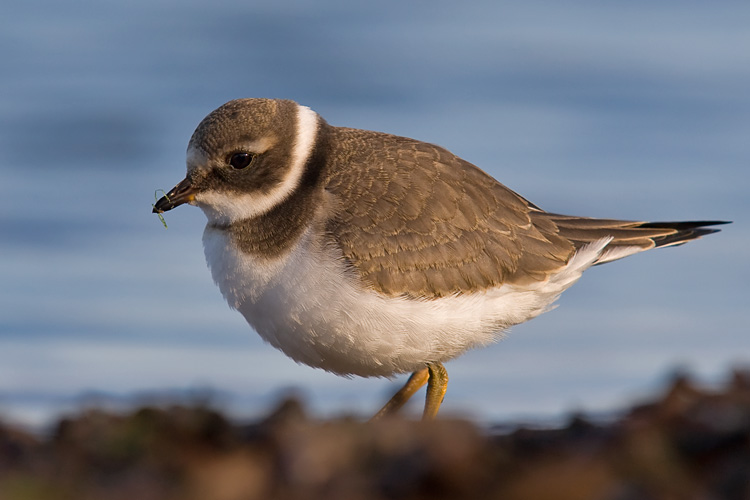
<point x="364" y="253"/>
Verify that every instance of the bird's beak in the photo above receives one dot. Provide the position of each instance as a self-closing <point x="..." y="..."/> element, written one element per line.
<point x="184" y="192"/>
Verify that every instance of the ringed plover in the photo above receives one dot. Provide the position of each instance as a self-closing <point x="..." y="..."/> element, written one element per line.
<point x="364" y="253"/>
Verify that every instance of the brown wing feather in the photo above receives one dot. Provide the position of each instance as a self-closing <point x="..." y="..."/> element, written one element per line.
<point x="415" y="220"/>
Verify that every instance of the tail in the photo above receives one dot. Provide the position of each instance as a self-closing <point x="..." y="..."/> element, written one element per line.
<point x="628" y="237"/>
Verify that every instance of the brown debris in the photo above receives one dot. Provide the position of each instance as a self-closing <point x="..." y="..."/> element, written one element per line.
<point x="692" y="443"/>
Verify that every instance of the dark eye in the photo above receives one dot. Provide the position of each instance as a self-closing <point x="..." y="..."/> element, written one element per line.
<point x="240" y="160"/>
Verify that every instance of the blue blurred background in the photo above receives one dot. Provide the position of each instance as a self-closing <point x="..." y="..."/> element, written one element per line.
<point x="636" y="110"/>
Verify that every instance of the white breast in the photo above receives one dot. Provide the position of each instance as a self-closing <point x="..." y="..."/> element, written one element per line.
<point x="309" y="306"/>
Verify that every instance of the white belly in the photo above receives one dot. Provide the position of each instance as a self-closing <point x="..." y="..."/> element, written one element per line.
<point x="305" y="304"/>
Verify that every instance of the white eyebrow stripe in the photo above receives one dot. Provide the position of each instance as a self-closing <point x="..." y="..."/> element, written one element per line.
<point x="259" y="146"/>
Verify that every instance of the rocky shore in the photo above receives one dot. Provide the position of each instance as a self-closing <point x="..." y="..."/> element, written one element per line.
<point x="688" y="443"/>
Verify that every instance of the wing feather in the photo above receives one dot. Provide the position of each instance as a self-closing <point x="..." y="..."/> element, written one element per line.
<point x="415" y="220"/>
<point x="418" y="221"/>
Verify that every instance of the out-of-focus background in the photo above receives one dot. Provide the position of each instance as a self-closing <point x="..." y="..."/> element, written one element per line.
<point x="627" y="110"/>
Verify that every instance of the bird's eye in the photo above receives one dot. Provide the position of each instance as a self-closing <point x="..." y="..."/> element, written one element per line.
<point x="239" y="161"/>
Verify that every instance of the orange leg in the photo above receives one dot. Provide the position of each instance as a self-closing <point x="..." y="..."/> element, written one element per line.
<point x="436" y="387"/>
<point x="415" y="382"/>
<point x="435" y="376"/>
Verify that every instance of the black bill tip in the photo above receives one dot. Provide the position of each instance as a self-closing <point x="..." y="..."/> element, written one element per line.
<point x="184" y="192"/>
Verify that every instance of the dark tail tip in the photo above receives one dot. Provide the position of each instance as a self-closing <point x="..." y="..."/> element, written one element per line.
<point x="685" y="230"/>
<point x="686" y="224"/>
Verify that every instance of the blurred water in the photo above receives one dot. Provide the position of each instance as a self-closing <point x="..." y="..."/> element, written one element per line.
<point x="635" y="111"/>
